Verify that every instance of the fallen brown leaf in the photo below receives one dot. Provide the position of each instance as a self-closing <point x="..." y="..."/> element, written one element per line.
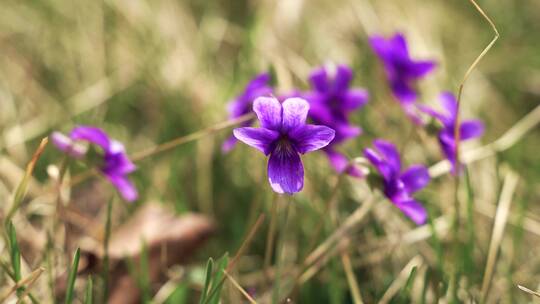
<point x="171" y="239"/>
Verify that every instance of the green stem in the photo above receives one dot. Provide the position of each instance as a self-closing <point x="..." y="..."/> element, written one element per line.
<point x="279" y="256"/>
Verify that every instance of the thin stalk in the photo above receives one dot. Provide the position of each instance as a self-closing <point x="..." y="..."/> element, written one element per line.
<point x="191" y="137"/>
<point x="280" y="248"/>
<point x="105" y="273"/>
<point x="171" y="144"/>
<point x="270" y="237"/>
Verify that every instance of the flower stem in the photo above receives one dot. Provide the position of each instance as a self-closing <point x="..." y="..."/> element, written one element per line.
<point x="280" y="249"/>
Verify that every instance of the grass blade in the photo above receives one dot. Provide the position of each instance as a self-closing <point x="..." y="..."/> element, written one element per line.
<point x="207" y="280"/>
<point x="23" y="185"/>
<point x="218" y="277"/>
<point x="15" y="254"/>
<point x="105" y="272"/>
<point x="88" y="294"/>
<point x="72" y="276"/>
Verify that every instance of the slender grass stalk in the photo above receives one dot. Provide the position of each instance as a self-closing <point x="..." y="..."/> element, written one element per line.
<point x="20" y="192"/>
<point x="239" y="253"/>
<point x="237" y="286"/>
<point x="15" y="254"/>
<point x="27" y="281"/>
<point x="207" y="280"/>
<point x="270" y="236"/>
<point x="72" y="276"/>
<point x="280" y="251"/>
<point x="144" y="277"/>
<point x="105" y="271"/>
<point x="88" y="298"/>
<point x="170" y="145"/>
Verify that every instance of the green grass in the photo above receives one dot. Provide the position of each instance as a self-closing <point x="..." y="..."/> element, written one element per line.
<point x="151" y="71"/>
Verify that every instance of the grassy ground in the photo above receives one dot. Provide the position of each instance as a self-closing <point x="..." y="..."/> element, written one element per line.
<point x="151" y="71"/>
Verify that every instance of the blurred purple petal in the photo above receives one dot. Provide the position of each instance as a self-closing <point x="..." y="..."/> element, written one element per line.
<point x="259" y="138"/>
<point x="229" y="144"/>
<point x="415" y="178"/>
<point x="390" y="154"/>
<point x="379" y="163"/>
<point x="414" y="210"/>
<point x="449" y="103"/>
<point x="471" y="129"/>
<point x="295" y="111"/>
<point x="319" y="79"/>
<point x="355" y="98"/>
<point x="422" y="68"/>
<point x="342" y="78"/>
<point x="67" y="145"/>
<point x="268" y="110"/>
<point x="91" y="134"/>
<point x="285" y="170"/>
<point x="124" y="186"/>
<point x="311" y="137"/>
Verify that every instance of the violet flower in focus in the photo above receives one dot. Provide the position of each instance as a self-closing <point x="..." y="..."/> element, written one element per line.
<point x="241" y="105"/>
<point x="468" y="129"/>
<point x="331" y="102"/>
<point x="284" y="135"/>
<point x="401" y="70"/>
<point x="399" y="186"/>
<point x="115" y="163"/>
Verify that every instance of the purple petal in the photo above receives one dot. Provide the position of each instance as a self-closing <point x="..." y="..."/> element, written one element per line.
<point x="319" y="79"/>
<point x="259" y="138"/>
<point x="117" y="161"/>
<point x="261" y="80"/>
<point x="124" y="186"/>
<point x="343" y="78"/>
<point x="379" y="164"/>
<point x="337" y="160"/>
<point x="403" y="91"/>
<point x="471" y="129"/>
<point x="421" y="68"/>
<point x="91" y="134"/>
<point x="285" y="170"/>
<point x="379" y="46"/>
<point x="268" y="110"/>
<point x="399" y="44"/>
<point x="449" y="103"/>
<point x="309" y="138"/>
<point x="355" y="98"/>
<point x="389" y="153"/>
<point x="415" y="178"/>
<point x="318" y="110"/>
<point x="414" y="210"/>
<point x="67" y="145"/>
<point x="432" y="112"/>
<point x="295" y="112"/>
<point x="346" y="131"/>
<point x="228" y="144"/>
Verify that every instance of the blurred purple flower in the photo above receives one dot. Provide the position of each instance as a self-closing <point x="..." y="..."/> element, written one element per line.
<point x="399" y="186"/>
<point x="284" y="135"/>
<point x="115" y="163"/>
<point x="468" y="129"/>
<point x="241" y="105"/>
<point x="402" y="71"/>
<point x="331" y="102"/>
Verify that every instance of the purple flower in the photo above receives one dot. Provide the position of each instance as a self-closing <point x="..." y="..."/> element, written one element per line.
<point x="401" y="70"/>
<point x="115" y="163"/>
<point x="468" y="129"/>
<point x="241" y="105"/>
<point x="331" y="102"/>
<point x="399" y="186"/>
<point x="284" y="135"/>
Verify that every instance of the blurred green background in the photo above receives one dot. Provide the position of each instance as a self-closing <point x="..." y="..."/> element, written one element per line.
<point x="150" y="71"/>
